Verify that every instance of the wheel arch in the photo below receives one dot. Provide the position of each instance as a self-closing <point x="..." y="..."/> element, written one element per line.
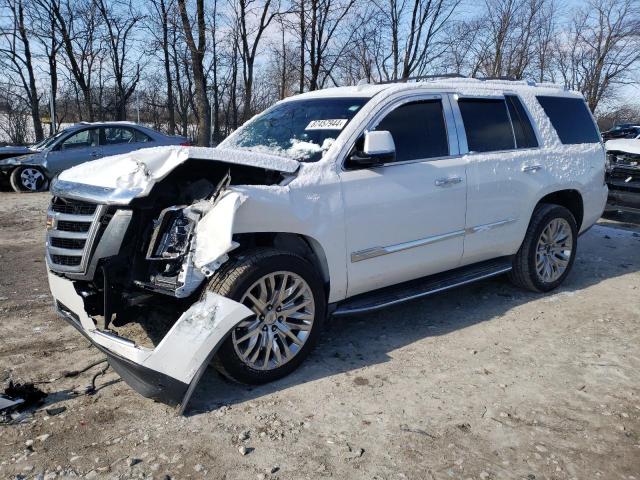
<point x="570" y="199"/>
<point x="303" y="245"/>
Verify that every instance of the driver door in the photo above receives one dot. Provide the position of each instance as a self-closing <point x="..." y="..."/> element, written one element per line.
<point x="81" y="146"/>
<point x="406" y="219"/>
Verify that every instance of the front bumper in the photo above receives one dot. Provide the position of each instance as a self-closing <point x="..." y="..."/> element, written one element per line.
<point x="169" y="372"/>
<point x="624" y="190"/>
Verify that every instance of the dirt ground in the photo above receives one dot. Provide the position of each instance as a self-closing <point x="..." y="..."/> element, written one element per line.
<point x="482" y="382"/>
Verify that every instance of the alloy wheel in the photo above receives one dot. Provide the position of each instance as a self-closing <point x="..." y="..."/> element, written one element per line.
<point x="553" y="251"/>
<point x="31" y="179"/>
<point x="284" y="310"/>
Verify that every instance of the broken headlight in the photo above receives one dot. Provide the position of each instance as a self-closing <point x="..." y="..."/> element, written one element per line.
<point x="171" y="234"/>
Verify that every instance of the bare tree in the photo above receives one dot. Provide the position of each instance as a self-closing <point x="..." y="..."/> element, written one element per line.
<point x="120" y="19"/>
<point x="197" y="52"/>
<point x="323" y="19"/>
<point x="78" y="24"/>
<point x="16" y="57"/>
<point x="601" y="48"/>
<point x="252" y="18"/>
<point x="416" y="30"/>
<point x="160" y="20"/>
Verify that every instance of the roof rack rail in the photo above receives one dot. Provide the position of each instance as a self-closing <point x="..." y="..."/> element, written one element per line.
<point x="509" y="78"/>
<point x="422" y="77"/>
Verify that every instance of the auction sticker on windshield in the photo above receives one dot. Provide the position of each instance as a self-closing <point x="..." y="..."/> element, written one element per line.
<point x="328" y="124"/>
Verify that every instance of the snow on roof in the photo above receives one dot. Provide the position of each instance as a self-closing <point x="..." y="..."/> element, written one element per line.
<point x="467" y="86"/>
<point x="109" y="122"/>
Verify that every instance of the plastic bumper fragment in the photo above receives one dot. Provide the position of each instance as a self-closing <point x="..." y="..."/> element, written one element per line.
<point x="170" y="371"/>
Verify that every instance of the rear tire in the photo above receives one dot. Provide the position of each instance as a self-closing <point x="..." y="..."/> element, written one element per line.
<point x="549" y="248"/>
<point x="275" y="284"/>
<point x="28" y="179"/>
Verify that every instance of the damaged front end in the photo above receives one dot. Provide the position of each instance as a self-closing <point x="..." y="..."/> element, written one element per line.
<point x="107" y="256"/>
<point x="623" y="180"/>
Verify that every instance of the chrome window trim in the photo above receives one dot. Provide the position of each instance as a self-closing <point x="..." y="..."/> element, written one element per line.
<point x="536" y="132"/>
<point x="513" y="131"/>
<point x="462" y="134"/>
<point x="452" y="137"/>
<point x="419" y="160"/>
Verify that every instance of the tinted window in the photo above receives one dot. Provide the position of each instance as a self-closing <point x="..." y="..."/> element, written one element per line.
<point x="83" y="139"/>
<point x="571" y="119"/>
<point x="141" y="137"/>
<point x="522" y="129"/>
<point x="487" y="124"/>
<point x="418" y="130"/>
<point x="118" y="135"/>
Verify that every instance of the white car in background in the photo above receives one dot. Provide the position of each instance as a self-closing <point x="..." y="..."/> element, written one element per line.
<point x="335" y="202"/>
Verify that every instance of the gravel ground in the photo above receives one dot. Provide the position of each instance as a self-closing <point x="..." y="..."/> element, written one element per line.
<point x="482" y="382"/>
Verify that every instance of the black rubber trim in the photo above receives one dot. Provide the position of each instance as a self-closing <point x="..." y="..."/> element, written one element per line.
<point x="147" y="382"/>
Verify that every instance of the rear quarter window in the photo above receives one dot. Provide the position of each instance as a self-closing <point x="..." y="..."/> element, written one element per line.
<point x="571" y="119"/>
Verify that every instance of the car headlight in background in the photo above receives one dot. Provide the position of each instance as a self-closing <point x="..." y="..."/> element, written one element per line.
<point x="610" y="159"/>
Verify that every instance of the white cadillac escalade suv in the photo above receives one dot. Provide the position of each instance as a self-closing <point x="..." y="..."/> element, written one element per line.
<point x="334" y="202"/>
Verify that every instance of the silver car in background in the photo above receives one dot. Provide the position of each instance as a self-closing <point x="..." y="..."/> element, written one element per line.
<point x="78" y="144"/>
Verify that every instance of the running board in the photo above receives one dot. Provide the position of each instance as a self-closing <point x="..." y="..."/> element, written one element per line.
<point x="422" y="287"/>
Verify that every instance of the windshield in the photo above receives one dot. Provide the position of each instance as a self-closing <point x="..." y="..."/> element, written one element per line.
<point x="298" y="129"/>
<point x="47" y="142"/>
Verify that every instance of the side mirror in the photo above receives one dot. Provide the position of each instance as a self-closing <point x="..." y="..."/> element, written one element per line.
<point x="379" y="149"/>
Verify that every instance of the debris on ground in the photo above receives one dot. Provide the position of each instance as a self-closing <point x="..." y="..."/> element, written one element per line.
<point x="30" y="395"/>
<point x="52" y="412"/>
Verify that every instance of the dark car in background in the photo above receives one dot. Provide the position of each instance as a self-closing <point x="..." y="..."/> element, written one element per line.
<point x="623" y="174"/>
<point x="624" y="130"/>
<point x="11" y="151"/>
<point x="31" y="169"/>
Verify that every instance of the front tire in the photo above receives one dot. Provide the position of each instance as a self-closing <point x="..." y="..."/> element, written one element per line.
<point x="547" y="253"/>
<point x="28" y="179"/>
<point x="288" y="299"/>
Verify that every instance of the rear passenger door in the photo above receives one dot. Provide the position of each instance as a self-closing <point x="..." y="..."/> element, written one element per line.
<point x="116" y="140"/>
<point x="503" y="158"/>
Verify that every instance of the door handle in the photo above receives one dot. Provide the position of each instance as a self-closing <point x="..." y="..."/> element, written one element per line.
<point x="531" y="168"/>
<point x="443" y="182"/>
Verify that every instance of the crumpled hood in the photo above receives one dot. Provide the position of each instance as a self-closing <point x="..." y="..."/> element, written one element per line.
<point x="11" y="150"/>
<point x="30" y="158"/>
<point x="628" y="145"/>
<point x="131" y="175"/>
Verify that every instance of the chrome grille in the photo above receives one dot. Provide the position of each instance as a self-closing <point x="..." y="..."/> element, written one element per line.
<point x="75" y="207"/>
<point x="72" y="227"/>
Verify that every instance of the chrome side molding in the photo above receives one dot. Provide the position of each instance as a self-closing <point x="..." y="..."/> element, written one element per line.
<point x="489" y="226"/>
<point x="398" y="247"/>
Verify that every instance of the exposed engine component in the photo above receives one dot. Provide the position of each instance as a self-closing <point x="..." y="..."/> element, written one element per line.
<point x="172" y="248"/>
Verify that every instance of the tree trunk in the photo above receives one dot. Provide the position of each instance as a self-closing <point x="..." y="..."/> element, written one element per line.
<point x="32" y="90"/>
<point x="303" y="40"/>
<point x="197" y="56"/>
<point x="167" y="68"/>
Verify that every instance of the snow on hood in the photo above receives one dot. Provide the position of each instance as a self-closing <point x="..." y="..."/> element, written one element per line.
<point x="628" y="145"/>
<point x="138" y="171"/>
